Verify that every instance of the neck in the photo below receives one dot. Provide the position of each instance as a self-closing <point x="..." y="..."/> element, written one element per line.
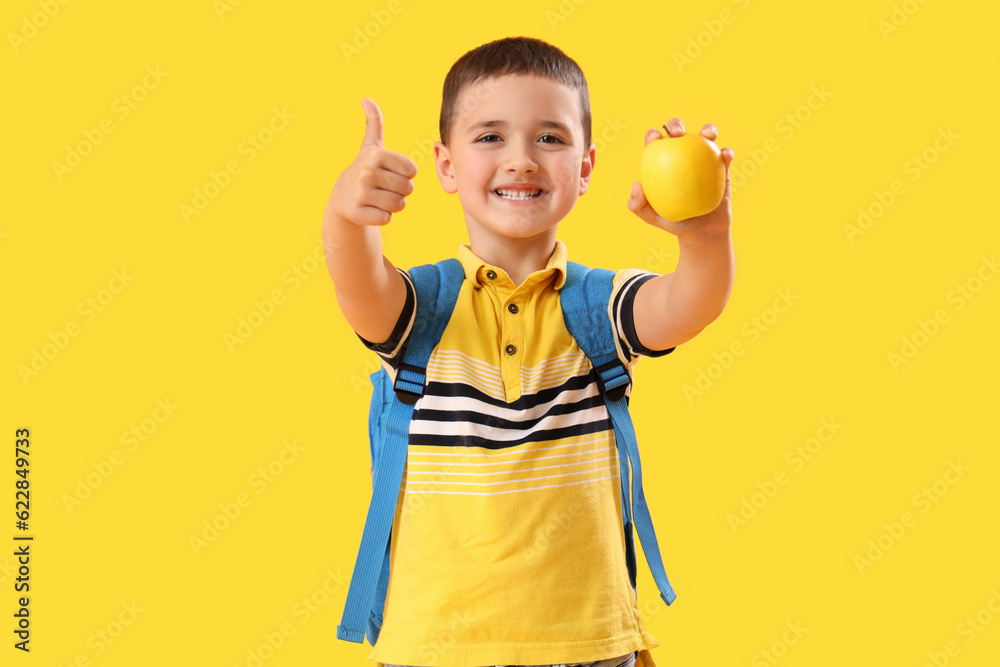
<point x="517" y="257"/>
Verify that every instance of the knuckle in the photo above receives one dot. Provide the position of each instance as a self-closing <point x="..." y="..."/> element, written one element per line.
<point x="367" y="176"/>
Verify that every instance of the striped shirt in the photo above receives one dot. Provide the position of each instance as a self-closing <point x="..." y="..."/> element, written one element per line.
<point x="507" y="545"/>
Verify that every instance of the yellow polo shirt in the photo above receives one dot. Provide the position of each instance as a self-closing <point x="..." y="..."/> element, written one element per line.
<point x="507" y="546"/>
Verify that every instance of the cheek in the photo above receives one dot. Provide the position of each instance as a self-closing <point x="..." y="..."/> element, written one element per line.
<point x="567" y="176"/>
<point x="474" y="177"/>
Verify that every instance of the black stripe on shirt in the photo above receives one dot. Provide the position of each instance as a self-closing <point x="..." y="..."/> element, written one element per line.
<point x="493" y="421"/>
<point x="627" y="300"/>
<point x="532" y="436"/>
<point x="525" y="402"/>
<point x="385" y="350"/>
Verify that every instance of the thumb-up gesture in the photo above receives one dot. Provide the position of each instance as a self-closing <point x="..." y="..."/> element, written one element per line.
<point x="373" y="187"/>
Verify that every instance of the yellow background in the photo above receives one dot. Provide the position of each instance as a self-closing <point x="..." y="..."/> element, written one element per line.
<point x="301" y="376"/>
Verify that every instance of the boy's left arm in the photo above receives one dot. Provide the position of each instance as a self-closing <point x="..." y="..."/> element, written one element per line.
<point x="675" y="307"/>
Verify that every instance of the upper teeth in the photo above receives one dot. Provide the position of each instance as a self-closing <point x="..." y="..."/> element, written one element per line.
<point x="517" y="194"/>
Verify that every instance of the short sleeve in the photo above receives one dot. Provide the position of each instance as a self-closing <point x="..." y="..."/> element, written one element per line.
<point x="626" y="284"/>
<point x="391" y="351"/>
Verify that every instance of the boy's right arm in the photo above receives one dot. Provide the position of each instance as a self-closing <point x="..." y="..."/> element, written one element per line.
<point x="369" y="289"/>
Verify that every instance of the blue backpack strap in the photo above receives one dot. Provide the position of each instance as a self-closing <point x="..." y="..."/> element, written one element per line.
<point x="437" y="287"/>
<point x="584" y="298"/>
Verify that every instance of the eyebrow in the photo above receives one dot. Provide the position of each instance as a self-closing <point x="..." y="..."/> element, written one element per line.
<point x="554" y="124"/>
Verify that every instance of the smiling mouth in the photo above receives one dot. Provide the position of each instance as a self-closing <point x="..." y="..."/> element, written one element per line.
<point x="518" y="195"/>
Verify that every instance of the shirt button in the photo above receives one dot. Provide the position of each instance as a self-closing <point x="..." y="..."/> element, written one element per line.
<point x="492" y="275"/>
<point x="513" y="308"/>
<point x="510" y="350"/>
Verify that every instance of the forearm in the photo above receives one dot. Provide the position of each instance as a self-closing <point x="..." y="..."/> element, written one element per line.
<point x="673" y="308"/>
<point x="702" y="282"/>
<point x="369" y="290"/>
<point x="354" y="256"/>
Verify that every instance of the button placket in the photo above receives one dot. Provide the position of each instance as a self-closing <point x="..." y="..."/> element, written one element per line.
<point x="512" y="332"/>
<point x="510" y="329"/>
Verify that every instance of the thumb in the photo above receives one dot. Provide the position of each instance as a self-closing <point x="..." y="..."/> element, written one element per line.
<point x="374" y="130"/>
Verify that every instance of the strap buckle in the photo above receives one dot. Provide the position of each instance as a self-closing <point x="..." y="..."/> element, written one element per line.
<point x="612" y="378"/>
<point x="409" y="384"/>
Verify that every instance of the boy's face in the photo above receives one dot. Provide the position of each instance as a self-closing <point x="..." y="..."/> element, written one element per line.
<point x="523" y="131"/>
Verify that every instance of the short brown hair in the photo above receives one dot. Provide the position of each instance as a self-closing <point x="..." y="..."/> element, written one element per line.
<point x="513" y="55"/>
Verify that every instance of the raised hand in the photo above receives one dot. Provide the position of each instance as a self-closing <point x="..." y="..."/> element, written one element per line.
<point x="375" y="185"/>
<point x="714" y="222"/>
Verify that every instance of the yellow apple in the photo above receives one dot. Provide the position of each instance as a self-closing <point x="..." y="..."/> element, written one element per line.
<point x="682" y="177"/>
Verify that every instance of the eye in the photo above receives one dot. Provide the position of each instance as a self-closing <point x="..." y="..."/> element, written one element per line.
<point x="488" y="136"/>
<point x="552" y="136"/>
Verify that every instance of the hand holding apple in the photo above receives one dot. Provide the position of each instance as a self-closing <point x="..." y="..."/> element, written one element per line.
<point x="682" y="177"/>
<point x="684" y="181"/>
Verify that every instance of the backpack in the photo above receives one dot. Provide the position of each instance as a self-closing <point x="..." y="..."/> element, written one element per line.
<point x="584" y="297"/>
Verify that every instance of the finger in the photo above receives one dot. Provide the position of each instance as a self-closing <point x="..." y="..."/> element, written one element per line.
<point x="390" y="202"/>
<point x="637" y="204"/>
<point x="675" y="127"/>
<point x="727" y="158"/>
<point x="371" y="215"/>
<point x="398" y="163"/>
<point x="653" y="135"/>
<point x="728" y="152"/>
<point x="374" y="131"/>
<point x="390" y="181"/>
<point x="710" y="131"/>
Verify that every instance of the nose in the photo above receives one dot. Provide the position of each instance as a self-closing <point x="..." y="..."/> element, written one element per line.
<point x="518" y="158"/>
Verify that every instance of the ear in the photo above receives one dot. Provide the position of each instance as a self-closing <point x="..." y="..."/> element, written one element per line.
<point x="445" y="168"/>
<point x="587" y="167"/>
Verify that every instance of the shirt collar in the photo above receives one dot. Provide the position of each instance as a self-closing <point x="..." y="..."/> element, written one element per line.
<point x="476" y="269"/>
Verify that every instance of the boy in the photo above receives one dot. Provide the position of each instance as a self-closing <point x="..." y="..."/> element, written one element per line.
<point x="507" y="546"/>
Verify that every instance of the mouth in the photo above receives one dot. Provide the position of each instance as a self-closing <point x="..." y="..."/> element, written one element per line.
<point x="518" y="195"/>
